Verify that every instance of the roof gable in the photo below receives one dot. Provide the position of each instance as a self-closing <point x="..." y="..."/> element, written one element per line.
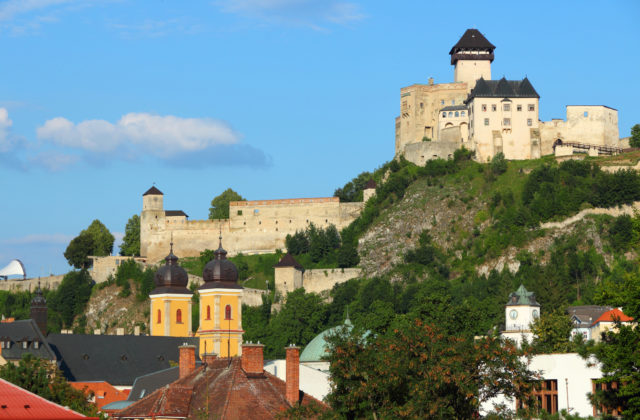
<point x="472" y="39"/>
<point x="288" y="261"/>
<point x="613" y="316"/>
<point x="153" y="191"/>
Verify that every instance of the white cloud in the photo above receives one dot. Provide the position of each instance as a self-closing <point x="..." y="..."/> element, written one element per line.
<point x="310" y="13"/>
<point x="56" y="238"/>
<point x="53" y="161"/>
<point x="6" y="143"/>
<point x="12" y="8"/>
<point x="161" y="136"/>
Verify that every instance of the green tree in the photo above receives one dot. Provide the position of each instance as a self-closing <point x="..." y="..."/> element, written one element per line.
<point x="131" y="241"/>
<point x="498" y="164"/>
<point x="552" y="333"/>
<point x="41" y="378"/>
<point x="72" y="296"/>
<point x="634" y="140"/>
<point x="220" y="205"/>
<point x="94" y="240"/>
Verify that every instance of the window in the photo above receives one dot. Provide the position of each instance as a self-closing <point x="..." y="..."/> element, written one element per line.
<point x="36" y="345"/>
<point x="486" y="121"/>
<point x="519" y="108"/>
<point x="444" y="115"/>
<point x="586" y="114"/>
<point x="179" y="316"/>
<point x="208" y="312"/>
<point x="453" y="102"/>
<point x="25" y="344"/>
<point x="421" y="105"/>
<point x="159" y="317"/>
<point x="227" y="312"/>
<point x="545" y="395"/>
<point x="494" y="108"/>
<point x="450" y="113"/>
<point x="506" y="121"/>
<point x="529" y="122"/>
<point x="484" y="108"/>
<point x="2" y="345"/>
<point x="239" y="212"/>
<point x="442" y="102"/>
<point x="531" y="107"/>
<point x="457" y="114"/>
<point x="506" y="107"/>
<point x="255" y="212"/>
<point x="600" y="410"/>
<point x="462" y="113"/>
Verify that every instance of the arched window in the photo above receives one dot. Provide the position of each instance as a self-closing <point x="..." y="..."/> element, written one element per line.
<point x="227" y="312"/>
<point x="179" y="316"/>
<point x="444" y="115"/>
<point x="159" y="316"/>
<point x="457" y="114"/>
<point x="208" y="312"/>
<point x="462" y="113"/>
<point x="450" y="113"/>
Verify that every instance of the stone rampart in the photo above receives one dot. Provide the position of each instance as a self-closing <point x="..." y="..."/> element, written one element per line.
<point x="49" y="282"/>
<point x="420" y="153"/>
<point x="611" y="211"/>
<point x="320" y="280"/>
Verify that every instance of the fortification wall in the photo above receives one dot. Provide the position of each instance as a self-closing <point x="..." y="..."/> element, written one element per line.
<point x="320" y="280"/>
<point x="420" y="153"/>
<point x="612" y="211"/>
<point x="253" y="227"/>
<point x="49" y="282"/>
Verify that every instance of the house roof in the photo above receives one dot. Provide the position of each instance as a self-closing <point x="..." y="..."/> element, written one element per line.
<point x="370" y="184"/>
<point x="18" y="403"/>
<point x="170" y="213"/>
<point x="472" y="39"/>
<point x="144" y="385"/>
<point x="223" y="390"/>
<point x="18" y="332"/>
<point x="522" y="297"/>
<point x="288" y="261"/>
<point x="503" y="88"/>
<point x="612" y="316"/>
<point x="454" y="108"/>
<point x="586" y="314"/>
<point x="317" y="350"/>
<point x="153" y="191"/>
<point x="117" y="359"/>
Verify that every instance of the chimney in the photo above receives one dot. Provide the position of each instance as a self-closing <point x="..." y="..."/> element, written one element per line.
<point x="208" y="358"/>
<point x="136" y="330"/>
<point x="252" y="358"/>
<point x="292" y="392"/>
<point x="187" y="359"/>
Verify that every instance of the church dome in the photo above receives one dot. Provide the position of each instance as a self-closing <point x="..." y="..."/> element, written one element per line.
<point x="318" y="349"/>
<point x="171" y="278"/>
<point x="220" y="273"/>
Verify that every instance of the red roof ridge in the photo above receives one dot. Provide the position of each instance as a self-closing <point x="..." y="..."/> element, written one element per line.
<point x="613" y="315"/>
<point x="233" y="381"/>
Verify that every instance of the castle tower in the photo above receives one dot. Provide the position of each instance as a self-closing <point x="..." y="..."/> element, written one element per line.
<point x="152" y="216"/>
<point x="39" y="310"/>
<point x="520" y="312"/>
<point x="369" y="190"/>
<point x="288" y="274"/>
<point x="220" y="307"/>
<point x="171" y="300"/>
<point x="472" y="57"/>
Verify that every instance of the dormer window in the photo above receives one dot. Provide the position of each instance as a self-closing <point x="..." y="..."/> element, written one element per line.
<point x="2" y="345"/>
<point x="36" y="345"/>
<point x="25" y="344"/>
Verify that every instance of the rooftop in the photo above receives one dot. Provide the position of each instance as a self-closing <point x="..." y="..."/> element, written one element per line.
<point x="17" y="333"/>
<point x="503" y="88"/>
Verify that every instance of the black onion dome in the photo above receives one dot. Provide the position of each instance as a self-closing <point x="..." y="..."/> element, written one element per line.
<point x="171" y="278"/>
<point x="38" y="298"/>
<point x="220" y="273"/>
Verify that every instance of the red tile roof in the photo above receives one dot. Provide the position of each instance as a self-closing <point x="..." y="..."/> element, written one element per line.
<point x="219" y="390"/>
<point x="104" y="393"/>
<point x="612" y="316"/>
<point x="17" y="403"/>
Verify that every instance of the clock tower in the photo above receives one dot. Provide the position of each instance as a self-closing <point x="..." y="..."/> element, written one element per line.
<point x="520" y="312"/>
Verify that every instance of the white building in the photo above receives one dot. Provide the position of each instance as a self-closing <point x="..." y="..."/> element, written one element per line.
<point x="520" y="312"/>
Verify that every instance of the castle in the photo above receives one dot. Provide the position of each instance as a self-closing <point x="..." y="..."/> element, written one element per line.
<point x="493" y="116"/>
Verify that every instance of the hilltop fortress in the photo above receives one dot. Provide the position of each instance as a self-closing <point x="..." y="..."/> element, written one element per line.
<point x="253" y="227"/>
<point x="493" y="116"/>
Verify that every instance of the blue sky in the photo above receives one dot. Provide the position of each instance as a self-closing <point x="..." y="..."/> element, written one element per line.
<point x="100" y="99"/>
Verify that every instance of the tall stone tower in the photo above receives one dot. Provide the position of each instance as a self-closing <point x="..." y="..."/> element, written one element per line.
<point x="170" y="311"/>
<point x="39" y="310"/>
<point x="220" y="328"/>
<point x="472" y="57"/>
<point x="152" y="216"/>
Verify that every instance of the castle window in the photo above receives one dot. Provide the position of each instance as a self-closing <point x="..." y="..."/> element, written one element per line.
<point x="444" y="115"/>
<point x="484" y="108"/>
<point x="531" y="107"/>
<point x="450" y="113"/>
<point x="421" y="105"/>
<point x="239" y="212"/>
<point x="159" y="316"/>
<point x="227" y="312"/>
<point x="486" y="121"/>
<point x="462" y="113"/>
<point x="519" y="108"/>
<point x="586" y="114"/>
<point x="529" y="122"/>
<point x="208" y="312"/>
<point x="255" y="211"/>
<point x="179" y="316"/>
<point x="457" y="114"/>
<point x="507" y="121"/>
<point x="442" y="102"/>
<point x="506" y="107"/>
<point x="453" y="102"/>
<point x="259" y="222"/>
<point x="494" y="108"/>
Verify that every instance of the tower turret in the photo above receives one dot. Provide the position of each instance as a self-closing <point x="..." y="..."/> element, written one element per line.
<point x="151" y="217"/>
<point x="472" y="57"/>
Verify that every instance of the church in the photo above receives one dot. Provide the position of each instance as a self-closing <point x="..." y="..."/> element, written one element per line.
<point x="220" y="305"/>
<point x="493" y="116"/>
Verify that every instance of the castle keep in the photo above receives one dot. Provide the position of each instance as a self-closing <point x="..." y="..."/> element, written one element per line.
<point x="253" y="227"/>
<point x="492" y="116"/>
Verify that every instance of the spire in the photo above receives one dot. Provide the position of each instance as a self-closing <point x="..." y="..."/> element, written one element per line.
<point x="171" y="259"/>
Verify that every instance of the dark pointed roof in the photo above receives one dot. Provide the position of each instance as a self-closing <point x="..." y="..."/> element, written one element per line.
<point x="472" y="39"/>
<point x="503" y="88"/>
<point x="370" y="184"/>
<point x="220" y="273"/>
<point x="288" y="261"/>
<point x="38" y="299"/>
<point x="171" y="278"/>
<point x="522" y="297"/>
<point x="170" y="213"/>
<point x="153" y="191"/>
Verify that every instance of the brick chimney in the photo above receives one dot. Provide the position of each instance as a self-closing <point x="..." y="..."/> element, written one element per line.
<point x="252" y="358"/>
<point x="208" y="358"/>
<point x="187" y="359"/>
<point x="292" y="392"/>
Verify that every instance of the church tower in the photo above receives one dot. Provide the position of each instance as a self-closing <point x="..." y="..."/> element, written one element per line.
<point x="151" y="217"/>
<point x="39" y="310"/>
<point x="220" y="329"/>
<point x="472" y="57"/>
<point x="171" y="300"/>
<point x="521" y="311"/>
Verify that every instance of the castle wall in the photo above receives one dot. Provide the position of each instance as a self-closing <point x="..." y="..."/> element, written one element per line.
<point x="320" y="280"/>
<point x="469" y="71"/>
<point x="420" y="153"/>
<point x="49" y="282"/>
<point x="103" y="267"/>
<point x="588" y="124"/>
<point x="253" y="226"/>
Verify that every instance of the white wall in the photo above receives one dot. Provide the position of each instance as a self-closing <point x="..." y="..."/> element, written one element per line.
<point x="312" y="381"/>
